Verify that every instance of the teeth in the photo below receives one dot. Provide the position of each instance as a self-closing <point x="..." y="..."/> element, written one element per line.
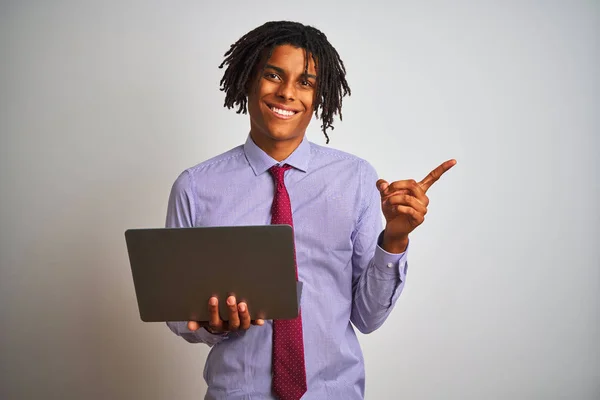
<point x="282" y="112"/>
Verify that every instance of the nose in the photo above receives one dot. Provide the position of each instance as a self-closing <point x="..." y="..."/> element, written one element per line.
<point x="287" y="90"/>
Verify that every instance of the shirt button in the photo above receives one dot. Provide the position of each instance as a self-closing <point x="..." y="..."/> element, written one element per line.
<point x="390" y="265"/>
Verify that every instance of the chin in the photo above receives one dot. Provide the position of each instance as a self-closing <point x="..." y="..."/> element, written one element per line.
<point x="284" y="134"/>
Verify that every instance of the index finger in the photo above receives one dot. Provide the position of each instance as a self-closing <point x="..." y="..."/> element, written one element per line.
<point x="436" y="174"/>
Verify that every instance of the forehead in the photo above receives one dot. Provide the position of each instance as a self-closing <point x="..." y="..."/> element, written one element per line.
<point x="292" y="59"/>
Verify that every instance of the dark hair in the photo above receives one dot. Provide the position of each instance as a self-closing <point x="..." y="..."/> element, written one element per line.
<point x="244" y="55"/>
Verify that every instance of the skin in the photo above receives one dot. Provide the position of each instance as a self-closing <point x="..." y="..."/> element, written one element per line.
<point x="285" y="85"/>
<point x="404" y="205"/>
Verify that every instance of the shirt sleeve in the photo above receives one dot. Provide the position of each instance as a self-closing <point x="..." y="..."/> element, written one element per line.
<point x="378" y="276"/>
<point x="181" y="213"/>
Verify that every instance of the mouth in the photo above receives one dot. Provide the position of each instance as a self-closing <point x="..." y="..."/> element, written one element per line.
<point x="282" y="112"/>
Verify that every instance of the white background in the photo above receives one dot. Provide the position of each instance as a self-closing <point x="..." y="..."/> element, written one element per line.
<point x="103" y="104"/>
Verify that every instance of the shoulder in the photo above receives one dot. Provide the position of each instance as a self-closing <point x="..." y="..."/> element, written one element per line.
<point x="323" y="156"/>
<point x="222" y="161"/>
<point x="210" y="169"/>
<point x="348" y="173"/>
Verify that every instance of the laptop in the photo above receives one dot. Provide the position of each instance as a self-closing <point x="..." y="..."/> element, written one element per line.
<point x="176" y="270"/>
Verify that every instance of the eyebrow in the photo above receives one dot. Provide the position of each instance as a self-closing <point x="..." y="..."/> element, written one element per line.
<point x="281" y="71"/>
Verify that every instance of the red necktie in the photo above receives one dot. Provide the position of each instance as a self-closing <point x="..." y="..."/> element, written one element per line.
<point x="289" y="373"/>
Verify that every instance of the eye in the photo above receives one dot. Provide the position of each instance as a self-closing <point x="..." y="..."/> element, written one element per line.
<point x="306" y="83"/>
<point x="272" y="76"/>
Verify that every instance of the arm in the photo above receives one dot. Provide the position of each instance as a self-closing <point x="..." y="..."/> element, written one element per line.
<point x="378" y="275"/>
<point x="181" y="213"/>
<point x="404" y="205"/>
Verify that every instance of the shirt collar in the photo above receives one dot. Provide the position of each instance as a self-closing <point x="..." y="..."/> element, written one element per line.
<point x="261" y="161"/>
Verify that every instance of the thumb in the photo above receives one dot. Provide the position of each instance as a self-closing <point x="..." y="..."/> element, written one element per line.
<point x="382" y="185"/>
<point x="193" y="326"/>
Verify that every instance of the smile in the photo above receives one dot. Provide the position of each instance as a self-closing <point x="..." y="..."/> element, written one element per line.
<point x="281" y="113"/>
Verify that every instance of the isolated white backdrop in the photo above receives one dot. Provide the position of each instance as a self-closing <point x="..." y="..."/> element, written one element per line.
<point x="103" y="104"/>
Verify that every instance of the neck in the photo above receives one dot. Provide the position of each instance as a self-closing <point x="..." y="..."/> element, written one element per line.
<point x="277" y="149"/>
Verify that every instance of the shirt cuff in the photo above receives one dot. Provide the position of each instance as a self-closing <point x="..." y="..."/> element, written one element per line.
<point x="201" y="335"/>
<point x="390" y="263"/>
<point x="209" y="338"/>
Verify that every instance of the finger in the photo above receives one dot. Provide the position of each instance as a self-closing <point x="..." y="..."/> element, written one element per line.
<point x="416" y="217"/>
<point x="436" y="174"/>
<point x="406" y="200"/>
<point x="214" y="320"/>
<point x="259" y="322"/>
<point x="382" y="185"/>
<point x="244" y="315"/>
<point x="408" y="186"/>
<point x="234" y="318"/>
<point x="400" y="186"/>
<point x="193" y="326"/>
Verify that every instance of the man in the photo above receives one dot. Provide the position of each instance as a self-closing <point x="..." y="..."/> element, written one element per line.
<point x="352" y="270"/>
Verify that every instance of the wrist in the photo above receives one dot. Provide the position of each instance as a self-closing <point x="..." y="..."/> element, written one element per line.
<point x="394" y="245"/>
<point x="209" y="330"/>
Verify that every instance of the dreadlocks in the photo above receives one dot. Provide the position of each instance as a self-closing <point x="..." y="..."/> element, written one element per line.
<point x="242" y="58"/>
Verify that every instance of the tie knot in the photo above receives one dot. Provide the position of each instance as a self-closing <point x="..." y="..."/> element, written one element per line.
<point x="278" y="172"/>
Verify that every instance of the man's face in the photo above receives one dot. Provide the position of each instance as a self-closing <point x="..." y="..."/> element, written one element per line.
<point x="280" y="99"/>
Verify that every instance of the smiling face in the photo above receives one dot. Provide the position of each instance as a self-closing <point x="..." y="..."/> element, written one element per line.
<point x="280" y="101"/>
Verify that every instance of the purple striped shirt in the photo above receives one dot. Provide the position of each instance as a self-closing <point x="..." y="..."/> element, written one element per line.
<point x="348" y="279"/>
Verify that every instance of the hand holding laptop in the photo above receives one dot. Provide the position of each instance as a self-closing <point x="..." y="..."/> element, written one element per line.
<point x="239" y="317"/>
<point x="190" y="274"/>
